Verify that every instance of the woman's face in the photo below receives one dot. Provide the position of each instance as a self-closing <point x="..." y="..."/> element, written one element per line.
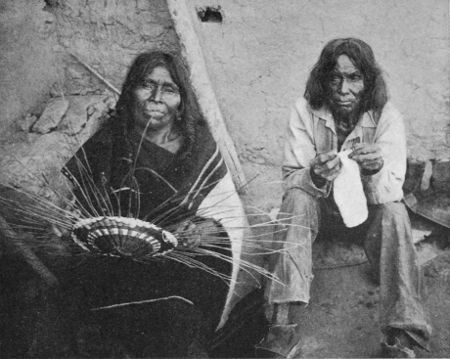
<point x="156" y="100"/>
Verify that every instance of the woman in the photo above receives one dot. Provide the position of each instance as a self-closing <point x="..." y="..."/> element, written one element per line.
<point x="158" y="162"/>
<point x="159" y="137"/>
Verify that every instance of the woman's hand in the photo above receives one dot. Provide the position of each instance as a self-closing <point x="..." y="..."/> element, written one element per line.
<point x="190" y="233"/>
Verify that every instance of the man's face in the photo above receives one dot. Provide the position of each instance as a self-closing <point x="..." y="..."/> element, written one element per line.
<point x="156" y="100"/>
<point x="346" y="84"/>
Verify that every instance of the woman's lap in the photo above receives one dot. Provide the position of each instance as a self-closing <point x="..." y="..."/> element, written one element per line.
<point x="99" y="282"/>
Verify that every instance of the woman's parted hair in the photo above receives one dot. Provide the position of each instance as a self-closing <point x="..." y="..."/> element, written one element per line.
<point x="360" y="53"/>
<point x="144" y="64"/>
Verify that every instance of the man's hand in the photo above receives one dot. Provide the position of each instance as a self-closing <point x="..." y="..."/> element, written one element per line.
<point x="190" y="233"/>
<point x="325" y="167"/>
<point x="369" y="158"/>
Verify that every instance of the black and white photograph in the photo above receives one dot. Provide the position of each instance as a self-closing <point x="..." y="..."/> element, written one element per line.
<point x="224" y="179"/>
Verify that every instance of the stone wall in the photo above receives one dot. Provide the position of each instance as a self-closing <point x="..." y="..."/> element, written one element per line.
<point x="258" y="57"/>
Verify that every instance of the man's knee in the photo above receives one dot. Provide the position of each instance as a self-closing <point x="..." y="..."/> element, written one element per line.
<point x="296" y="200"/>
<point x="301" y="209"/>
<point x="392" y="210"/>
<point x="390" y="221"/>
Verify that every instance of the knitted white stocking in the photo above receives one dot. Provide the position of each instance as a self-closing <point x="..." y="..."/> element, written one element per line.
<point x="348" y="192"/>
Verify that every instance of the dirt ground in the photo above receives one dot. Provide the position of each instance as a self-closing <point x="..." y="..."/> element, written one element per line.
<point x="342" y="319"/>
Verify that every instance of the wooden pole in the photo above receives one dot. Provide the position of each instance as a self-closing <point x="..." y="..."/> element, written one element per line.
<point x="193" y="53"/>
<point x="96" y="74"/>
<point x="12" y="242"/>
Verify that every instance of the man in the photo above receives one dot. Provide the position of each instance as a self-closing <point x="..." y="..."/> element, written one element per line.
<point x="345" y="107"/>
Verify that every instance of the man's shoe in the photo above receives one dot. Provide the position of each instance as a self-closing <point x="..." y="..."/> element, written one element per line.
<point x="396" y="350"/>
<point x="398" y="345"/>
<point x="281" y="341"/>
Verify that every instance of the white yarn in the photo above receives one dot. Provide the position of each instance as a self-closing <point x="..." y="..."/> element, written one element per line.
<point x="348" y="192"/>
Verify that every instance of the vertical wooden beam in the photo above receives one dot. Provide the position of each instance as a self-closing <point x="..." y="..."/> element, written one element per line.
<point x="192" y="52"/>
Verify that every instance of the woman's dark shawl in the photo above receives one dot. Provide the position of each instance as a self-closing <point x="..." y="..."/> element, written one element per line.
<point x="173" y="187"/>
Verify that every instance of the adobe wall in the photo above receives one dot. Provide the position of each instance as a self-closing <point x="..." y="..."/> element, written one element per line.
<point x="38" y="36"/>
<point x="258" y="58"/>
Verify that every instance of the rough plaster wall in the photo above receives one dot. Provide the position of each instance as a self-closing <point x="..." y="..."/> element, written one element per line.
<point x="37" y="37"/>
<point x="27" y="60"/>
<point x="258" y="59"/>
<point x="108" y="34"/>
<point x="260" y="55"/>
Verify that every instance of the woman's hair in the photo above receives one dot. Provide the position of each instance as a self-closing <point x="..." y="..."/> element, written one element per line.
<point x="144" y="64"/>
<point x="317" y="87"/>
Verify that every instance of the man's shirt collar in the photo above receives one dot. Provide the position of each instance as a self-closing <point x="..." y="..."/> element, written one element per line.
<point x="324" y="113"/>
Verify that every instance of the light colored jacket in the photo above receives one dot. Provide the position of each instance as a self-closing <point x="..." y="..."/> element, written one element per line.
<point x="311" y="132"/>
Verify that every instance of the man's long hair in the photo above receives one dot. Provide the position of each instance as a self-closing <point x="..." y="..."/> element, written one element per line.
<point x="144" y="64"/>
<point x="317" y="90"/>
